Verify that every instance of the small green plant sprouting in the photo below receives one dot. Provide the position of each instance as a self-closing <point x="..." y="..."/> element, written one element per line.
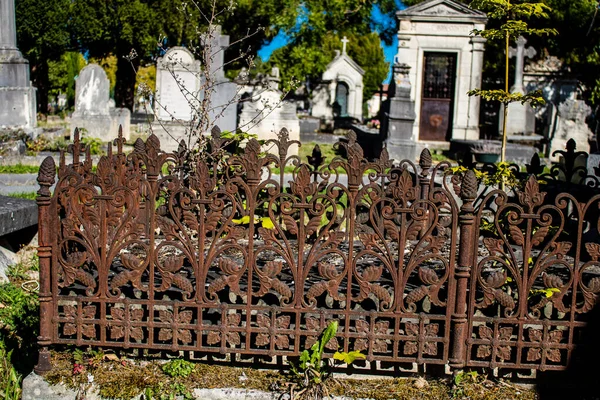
<point x="178" y="368"/>
<point x="312" y="370"/>
<point x="94" y="144"/>
<point x="512" y="26"/>
<point x="503" y="176"/>
<point x="461" y="378"/>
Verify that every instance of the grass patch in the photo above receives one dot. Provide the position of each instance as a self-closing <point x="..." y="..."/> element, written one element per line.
<point x="305" y="151"/>
<point x="23" y="195"/>
<point x="19" y="322"/>
<point x="19" y="169"/>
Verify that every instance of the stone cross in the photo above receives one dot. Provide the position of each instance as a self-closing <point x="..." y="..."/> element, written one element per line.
<point x="8" y="30"/>
<point x="520" y="53"/>
<point x="344" y="43"/>
<point x="218" y="44"/>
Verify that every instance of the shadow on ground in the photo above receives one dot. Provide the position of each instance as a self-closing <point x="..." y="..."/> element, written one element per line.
<point x="581" y="379"/>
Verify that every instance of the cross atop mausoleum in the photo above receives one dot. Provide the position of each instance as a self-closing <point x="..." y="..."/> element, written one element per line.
<point x="344" y="43"/>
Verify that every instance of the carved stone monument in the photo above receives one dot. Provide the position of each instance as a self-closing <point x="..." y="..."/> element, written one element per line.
<point x="95" y="113"/>
<point x="17" y="96"/>
<point x="521" y="117"/>
<point x="398" y="113"/>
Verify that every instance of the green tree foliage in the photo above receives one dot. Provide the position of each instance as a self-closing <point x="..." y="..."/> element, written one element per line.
<point x="62" y="73"/>
<point x="42" y="36"/>
<point x="105" y="27"/>
<point x="316" y="33"/>
<point x="578" y="44"/>
<point x="512" y="17"/>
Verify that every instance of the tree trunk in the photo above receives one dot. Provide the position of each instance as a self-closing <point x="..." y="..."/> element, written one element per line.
<point x="41" y="82"/>
<point x="125" y="84"/>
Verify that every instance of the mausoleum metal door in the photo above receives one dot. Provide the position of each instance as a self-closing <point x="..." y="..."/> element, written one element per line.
<point x="341" y="97"/>
<point x="439" y="78"/>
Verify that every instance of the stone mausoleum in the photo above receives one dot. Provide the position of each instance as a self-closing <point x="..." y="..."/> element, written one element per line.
<point x="445" y="61"/>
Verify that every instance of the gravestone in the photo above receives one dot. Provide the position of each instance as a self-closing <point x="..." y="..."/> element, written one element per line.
<point x="265" y="113"/>
<point x="180" y="86"/>
<point x="224" y="99"/>
<point x="18" y="225"/>
<point x="521" y="117"/>
<point x="17" y="96"/>
<point x="571" y="124"/>
<point x="94" y="110"/>
<point x="398" y="116"/>
<point x="177" y="85"/>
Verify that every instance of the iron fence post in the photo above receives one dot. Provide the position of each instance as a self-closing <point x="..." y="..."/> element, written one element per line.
<point x="45" y="179"/>
<point x="466" y="220"/>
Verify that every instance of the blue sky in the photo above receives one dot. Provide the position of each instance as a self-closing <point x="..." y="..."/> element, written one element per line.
<point x="281" y="39"/>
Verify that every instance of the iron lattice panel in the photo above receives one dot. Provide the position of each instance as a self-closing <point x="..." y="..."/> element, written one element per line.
<point x="154" y="253"/>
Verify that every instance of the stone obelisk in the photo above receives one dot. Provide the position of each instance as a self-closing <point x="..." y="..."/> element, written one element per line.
<point x="17" y="96"/>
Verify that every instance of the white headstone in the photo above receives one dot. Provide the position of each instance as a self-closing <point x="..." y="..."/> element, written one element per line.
<point x="177" y="85"/>
<point x="92" y="91"/>
<point x="94" y="112"/>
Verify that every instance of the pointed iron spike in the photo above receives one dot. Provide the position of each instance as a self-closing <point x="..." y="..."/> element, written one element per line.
<point x="571" y="145"/>
<point x="215" y="132"/>
<point x="109" y="150"/>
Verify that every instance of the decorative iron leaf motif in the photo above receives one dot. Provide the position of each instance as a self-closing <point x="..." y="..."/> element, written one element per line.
<point x="231" y="337"/>
<point x="494" y="246"/>
<point x="531" y="197"/>
<point x="378" y="345"/>
<point x="184" y="317"/>
<point x="539" y="236"/>
<point x="428" y="276"/>
<point x="268" y="281"/>
<point x="168" y="271"/>
<point x="429" y="331"/>
<point x="552" y="353"/>
<point x="135" y="267"/>
<point x="282" y="341"/>
<point x="552" y="281"/>
<point x="119" y="324"/>
<point x="517" y="235"/>
<point x="231" y="277"/>
<point x="593" y="250"/>
<point x="416" y="295"/>
<point x="496" y="279"/>
<point x="504" y="299"/>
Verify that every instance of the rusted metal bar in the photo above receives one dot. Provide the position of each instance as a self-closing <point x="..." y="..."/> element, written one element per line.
<point x="45" y="234"/>
<point x="468" y="243"/>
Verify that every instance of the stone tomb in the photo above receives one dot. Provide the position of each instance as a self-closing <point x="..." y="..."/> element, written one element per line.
<point x="340" y="93"/>
<point x="94" y="110"/>
<point x="445" y="62"/>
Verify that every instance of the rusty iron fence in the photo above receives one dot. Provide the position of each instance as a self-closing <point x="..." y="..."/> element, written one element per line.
<point x="254" y="254"/>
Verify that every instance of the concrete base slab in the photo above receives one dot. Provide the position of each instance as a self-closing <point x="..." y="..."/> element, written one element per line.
<point x="36" y="388"/>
